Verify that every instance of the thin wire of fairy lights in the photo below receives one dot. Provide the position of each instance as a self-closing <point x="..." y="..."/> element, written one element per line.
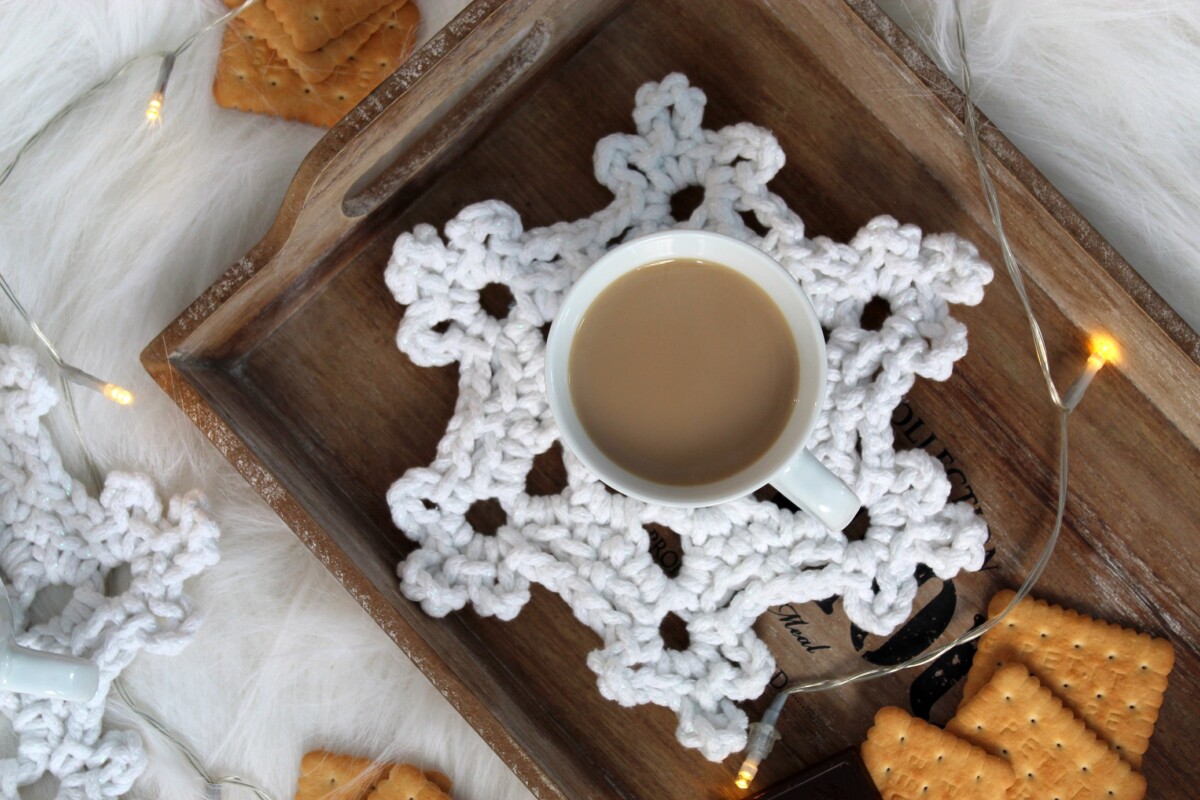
<point x="763" y="734"/>
<point x="69" y="374"/>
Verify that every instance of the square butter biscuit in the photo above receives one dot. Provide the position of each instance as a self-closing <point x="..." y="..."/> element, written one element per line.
<point x="1053" y="754"/>
<point x="1112" y="678"/>
<point x="909" y="759"/>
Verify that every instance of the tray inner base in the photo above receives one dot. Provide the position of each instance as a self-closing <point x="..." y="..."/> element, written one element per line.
<point x="337" y="413"/>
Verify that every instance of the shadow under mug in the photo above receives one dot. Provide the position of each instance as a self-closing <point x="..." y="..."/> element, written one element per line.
<point x="786" y="465"/>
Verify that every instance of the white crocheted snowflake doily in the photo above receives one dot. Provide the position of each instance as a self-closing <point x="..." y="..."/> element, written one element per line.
<point x="589" y="545"/>
<point x="52" y="534"/>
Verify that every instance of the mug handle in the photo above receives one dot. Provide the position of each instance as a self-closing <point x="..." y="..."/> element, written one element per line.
<point x="45" y="674"/>
<point x="807" y="483"/>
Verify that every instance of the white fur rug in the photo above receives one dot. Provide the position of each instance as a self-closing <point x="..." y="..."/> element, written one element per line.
<point x="107" y="230"/>
<point x="1103" y="96"/>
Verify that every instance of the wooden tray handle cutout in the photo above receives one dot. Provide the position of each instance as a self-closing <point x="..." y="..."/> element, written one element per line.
<point x="412" y="124"/>
<point x="497" y="48"/>
<point x="406" y="108"/>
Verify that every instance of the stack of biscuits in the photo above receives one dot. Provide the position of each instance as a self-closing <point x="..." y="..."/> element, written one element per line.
<point x="334" y="776"/>
<point x="1057" y="705"/>
<point x="311" y="60"/>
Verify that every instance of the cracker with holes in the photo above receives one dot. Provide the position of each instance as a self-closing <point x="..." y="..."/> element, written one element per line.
<point x="313" y="23"/>
<point x="909" y="759"/>
<point x="319" y="64"/>
<point x="1053" y="754"/>
<point x="253" y="77"/>
<point x="1112" y="678"/>
<point x="333" y="776"/>
<point x="406" y="782"/>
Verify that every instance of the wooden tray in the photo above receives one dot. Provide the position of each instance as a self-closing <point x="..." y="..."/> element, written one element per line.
<point x="288" y="363"/>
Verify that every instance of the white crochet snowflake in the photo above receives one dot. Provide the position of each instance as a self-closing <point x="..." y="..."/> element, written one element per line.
<point x="591" y="546"/>
<point x="53" y="534"/>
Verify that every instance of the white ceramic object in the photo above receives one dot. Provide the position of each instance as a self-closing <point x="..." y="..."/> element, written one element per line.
<point x="39" y="673"/>
<point x="787" y="465"/>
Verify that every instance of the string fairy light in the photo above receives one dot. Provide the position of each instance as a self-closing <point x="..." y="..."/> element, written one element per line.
<point x="1104" y="350"/>
<point x="118" y="394"/>
<point x="68" y="373"/>
<point x="71" y="375"/>
<point x="212" y="785"/>
<point x="763" y="734"/>
<point x="155" y="106"/>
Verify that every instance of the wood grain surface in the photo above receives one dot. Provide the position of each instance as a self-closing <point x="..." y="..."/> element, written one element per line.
<point x="289" y="365"/>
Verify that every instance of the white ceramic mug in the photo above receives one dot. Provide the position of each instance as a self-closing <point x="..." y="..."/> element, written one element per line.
<point x="786" y="465"/>
<point x="36" y="672"/>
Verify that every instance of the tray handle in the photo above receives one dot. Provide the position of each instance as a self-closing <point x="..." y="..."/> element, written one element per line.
<point x="423" y="113"/>
<point x="423" y="110"/>
<point x="430" y="109"/>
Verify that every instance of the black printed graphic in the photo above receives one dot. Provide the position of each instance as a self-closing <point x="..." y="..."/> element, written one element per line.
<point x="795" y="624"/>
<point x="940" y="676"/>
<point x="921" y="631"/>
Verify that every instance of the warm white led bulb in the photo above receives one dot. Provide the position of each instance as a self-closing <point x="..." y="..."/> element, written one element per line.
<point x="760" y="738"/>
<point x="118" y="394"/>
<point x="154" y="107"/>
<point x="114" y="392"/>
<point x="1104" y="350"/>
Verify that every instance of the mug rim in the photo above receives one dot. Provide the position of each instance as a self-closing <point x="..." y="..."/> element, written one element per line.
<point x="796" y="309"/>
